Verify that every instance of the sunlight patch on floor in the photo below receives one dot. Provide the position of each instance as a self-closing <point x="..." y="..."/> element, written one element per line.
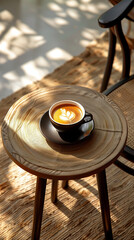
<point x="58" y="53"/>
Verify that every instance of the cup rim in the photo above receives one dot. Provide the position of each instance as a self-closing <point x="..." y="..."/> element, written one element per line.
<point x="65" y="102"/>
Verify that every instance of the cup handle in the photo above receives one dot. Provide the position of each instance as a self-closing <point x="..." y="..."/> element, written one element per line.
<point x="88" y="117"/>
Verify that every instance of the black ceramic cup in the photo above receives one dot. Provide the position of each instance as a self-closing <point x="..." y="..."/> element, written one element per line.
<point x="71" y="115"/>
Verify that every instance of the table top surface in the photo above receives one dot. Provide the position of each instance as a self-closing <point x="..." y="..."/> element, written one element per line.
<point x="28" y="148"/>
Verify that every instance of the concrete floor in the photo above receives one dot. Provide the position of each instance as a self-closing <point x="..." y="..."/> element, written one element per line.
<point x="37" y="36"/>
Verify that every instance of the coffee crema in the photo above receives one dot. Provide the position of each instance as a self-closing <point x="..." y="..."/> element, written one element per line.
<point x="67" y="114"/>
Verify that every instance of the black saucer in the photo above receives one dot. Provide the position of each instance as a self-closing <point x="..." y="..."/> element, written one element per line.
<point x="51" y="134"/>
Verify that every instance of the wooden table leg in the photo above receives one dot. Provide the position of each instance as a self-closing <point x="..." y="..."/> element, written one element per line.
<point x="104" y="202"/>
<point x="54" y="191"/>
<point x="65" y="184"/>
<point x="38" y="207"/>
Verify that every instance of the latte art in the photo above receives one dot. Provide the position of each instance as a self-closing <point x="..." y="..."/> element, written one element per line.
<point x="67" y="114"/>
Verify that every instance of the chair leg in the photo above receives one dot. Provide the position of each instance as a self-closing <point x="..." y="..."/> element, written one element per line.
<point x="38" y="207"/>
<point x="111" y="54"/>
<point x="104" y="202"/>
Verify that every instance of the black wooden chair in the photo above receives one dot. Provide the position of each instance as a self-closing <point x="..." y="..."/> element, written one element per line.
<point x="112" y="20"/>
<point x="123" y="91"/>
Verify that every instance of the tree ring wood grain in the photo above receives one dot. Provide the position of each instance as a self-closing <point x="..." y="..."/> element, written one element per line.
<point x="27" y="147"/>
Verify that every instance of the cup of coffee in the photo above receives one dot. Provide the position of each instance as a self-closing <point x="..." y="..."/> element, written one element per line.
<point x="68" y="115"/>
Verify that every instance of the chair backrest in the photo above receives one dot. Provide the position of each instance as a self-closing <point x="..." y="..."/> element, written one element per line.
<point x="128" y="25"/>
<point x="130" y="14"/>
<point x="113" y="19"/>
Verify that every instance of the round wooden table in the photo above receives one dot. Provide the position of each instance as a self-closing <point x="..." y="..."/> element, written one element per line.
<point x="27" y="147"/>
